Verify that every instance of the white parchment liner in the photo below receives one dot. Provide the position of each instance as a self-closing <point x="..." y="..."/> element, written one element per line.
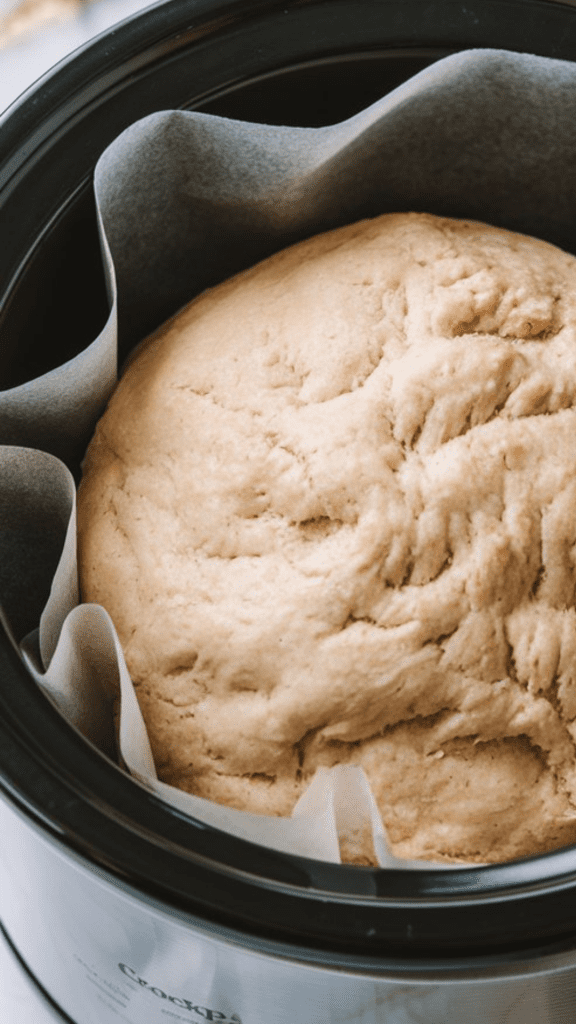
<point x="184" y="200"/>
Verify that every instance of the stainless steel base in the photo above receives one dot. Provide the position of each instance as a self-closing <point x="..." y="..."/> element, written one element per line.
<point x="105" y="954"/>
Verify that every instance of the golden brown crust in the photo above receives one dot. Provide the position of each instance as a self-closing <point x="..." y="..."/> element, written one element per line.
<point x="331" y="510"/>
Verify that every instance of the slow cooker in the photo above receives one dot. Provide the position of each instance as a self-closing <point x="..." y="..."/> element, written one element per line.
<point x="121" y="907"/>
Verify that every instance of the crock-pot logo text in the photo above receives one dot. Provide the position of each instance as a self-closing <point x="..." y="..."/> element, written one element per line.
<point x="184" y="1004"/>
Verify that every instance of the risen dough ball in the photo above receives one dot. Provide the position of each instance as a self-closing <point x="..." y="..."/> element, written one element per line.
<point x="331" y="509"/>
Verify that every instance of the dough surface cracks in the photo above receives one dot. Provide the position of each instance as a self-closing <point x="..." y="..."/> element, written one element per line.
<point x="331" y="509"/>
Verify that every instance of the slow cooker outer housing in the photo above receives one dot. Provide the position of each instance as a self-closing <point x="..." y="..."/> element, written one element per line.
<point x="307" y="62"/>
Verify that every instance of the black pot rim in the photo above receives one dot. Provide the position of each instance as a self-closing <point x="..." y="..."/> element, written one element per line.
<point x="98" y="812"/>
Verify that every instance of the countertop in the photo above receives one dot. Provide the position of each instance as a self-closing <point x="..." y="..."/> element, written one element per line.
<point x="36" y="34"/>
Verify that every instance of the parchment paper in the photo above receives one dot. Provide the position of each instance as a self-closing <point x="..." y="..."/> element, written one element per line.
<point x="184" y="200"/>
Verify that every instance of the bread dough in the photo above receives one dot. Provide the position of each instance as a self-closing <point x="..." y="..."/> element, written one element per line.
<point x="331" y="509"/>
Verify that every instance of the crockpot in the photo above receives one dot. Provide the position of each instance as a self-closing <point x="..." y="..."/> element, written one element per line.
<point x="121" y="907"/>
